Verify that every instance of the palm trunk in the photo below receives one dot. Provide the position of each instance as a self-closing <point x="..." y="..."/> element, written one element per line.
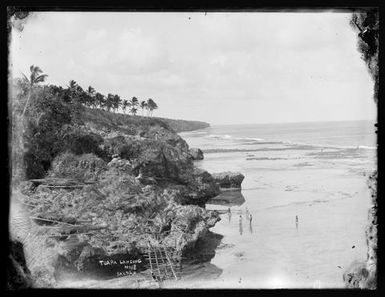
<point x="26" y="104"/>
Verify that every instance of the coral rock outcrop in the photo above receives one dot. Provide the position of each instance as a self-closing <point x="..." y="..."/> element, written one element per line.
<point x="228" y="180"/>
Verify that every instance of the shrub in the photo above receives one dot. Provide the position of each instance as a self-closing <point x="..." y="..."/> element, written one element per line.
<point x="83" y="167"/>
<point x="79" y="142"/>
<point x="125" y="148"/>
<point x="43" y="120"/>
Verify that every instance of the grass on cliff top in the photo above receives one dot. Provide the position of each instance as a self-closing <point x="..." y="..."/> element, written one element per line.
<point x="112" y="120"/>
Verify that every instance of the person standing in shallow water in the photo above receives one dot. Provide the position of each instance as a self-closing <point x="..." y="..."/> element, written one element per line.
<point x="296" y="222"/>
<point x="240" y="225"/>
<point x="250" y="226"/>
<point x="229" y="214"/>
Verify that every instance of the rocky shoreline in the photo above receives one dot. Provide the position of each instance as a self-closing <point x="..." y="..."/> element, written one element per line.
<point x="364" y="275"/>
<point x="141" y="187"/>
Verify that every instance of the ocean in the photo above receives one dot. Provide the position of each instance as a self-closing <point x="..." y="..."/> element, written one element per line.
<point x="349" y="134"/>
<point x="316" y="172"/>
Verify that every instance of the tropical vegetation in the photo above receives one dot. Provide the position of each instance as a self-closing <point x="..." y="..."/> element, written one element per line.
<point x="45" y="117"/>
<point x="90" y="98"/>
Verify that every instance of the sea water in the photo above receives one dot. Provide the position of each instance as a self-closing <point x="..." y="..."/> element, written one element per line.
<point x="316" y="172"/>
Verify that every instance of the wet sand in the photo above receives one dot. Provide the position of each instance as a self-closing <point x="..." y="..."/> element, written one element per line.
<point x="331" y="199"/>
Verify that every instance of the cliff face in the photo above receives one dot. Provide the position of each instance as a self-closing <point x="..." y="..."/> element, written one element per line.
<point x="121" y="182"/>
<point x="366" y="23"/>
<point x="364" y="275"/>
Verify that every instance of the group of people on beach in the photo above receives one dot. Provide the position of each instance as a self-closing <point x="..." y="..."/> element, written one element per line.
<point x="249" y="216"/>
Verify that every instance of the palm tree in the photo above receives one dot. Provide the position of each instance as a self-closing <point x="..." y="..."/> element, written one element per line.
<point x="133" y="110"/>
<point x="81" y="95"/>
<point x="117" y="102"/>
<point x="125" y="104"/>
<point x="72" y="84"/>
<point x="151" y="105"/>
<point x="143" y="106"/>
<point x="73" y="90"/>
<point x="134" y="103"/>
<point x="35" y="78"/>
<point x="109" y="101"/>
<point x="91" y="100"/>
<point x="99" y="100"/>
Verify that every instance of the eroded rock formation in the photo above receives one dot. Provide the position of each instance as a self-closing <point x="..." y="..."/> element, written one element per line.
<point x="196" y="154"/>
<point x="228" y="180"/>
<point x="142" y="187"/>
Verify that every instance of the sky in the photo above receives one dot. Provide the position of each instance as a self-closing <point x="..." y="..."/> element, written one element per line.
<point x="221" y="68"/>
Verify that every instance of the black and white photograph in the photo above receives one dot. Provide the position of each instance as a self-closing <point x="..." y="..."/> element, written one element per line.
<point x="218" y="149"/>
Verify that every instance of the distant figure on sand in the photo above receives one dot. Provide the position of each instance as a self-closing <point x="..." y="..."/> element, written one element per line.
<point x="250" y="227"/>
<point x="229" y="214"/>
<point x="240" y="225"/>
<point x="250" y="218"/>
<point x="296" y="222"/>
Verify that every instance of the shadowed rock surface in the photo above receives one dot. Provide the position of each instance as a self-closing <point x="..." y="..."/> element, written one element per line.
<point x="228" y="198"/>
<point x="196" y="154"/>
<point x="203" y="249"/>
<point x="18" y="274"/>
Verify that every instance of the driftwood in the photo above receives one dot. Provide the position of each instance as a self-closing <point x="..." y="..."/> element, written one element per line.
<point x="78" y="229"/>
<point x="70" y="228"/>
<point x="52" y="221"/>
<point x="60" y="182"/>
<point x="68" y="186"/>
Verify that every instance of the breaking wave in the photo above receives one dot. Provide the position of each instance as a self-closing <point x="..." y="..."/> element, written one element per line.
<point x="229" y="137"/>
<point x="276" y="145"/>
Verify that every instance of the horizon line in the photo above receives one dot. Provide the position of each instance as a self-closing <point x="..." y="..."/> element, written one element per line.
<point x="300" y="122"/>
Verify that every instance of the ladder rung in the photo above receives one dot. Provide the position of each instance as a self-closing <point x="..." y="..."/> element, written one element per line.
<point x="159" y="259"/>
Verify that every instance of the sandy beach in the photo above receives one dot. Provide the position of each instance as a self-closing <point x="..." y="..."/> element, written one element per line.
<point x="325" y="188"/>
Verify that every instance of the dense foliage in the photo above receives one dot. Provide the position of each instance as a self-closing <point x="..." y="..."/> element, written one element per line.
<point x="46" y="120"/>
<point x="367" y="23"/>
<point x="41" y="128"/>
<point x="112" y="102"/>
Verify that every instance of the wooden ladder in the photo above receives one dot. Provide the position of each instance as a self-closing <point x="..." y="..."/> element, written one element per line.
<point x="161" y="264"/>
